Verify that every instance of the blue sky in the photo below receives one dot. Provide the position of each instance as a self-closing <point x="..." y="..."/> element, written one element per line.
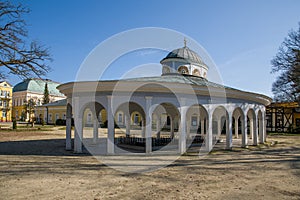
<point x="240" y="36"/>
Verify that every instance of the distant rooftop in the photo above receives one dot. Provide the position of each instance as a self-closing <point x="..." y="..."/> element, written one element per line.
<point x="38" y="86"/>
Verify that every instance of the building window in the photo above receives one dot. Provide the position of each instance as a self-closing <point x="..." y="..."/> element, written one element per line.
<point x="89" y="118"/>
<point x="50" y="117"/>
<point x="100" y="117"/>
<point x="56" y="116"/>
<point x="183" y="70"/>
<point x="0" y="102"/>
<point x="4" y="113"/>
<point x="194" y="121"/>
<point x="168" y="121"/>
<point x="136" y="119"/>
<point x="298" y="122"/>
<point x="120" y="118"/>
<point x="196" y="72"/>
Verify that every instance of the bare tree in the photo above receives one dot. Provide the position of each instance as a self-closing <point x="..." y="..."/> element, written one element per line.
<point x="287" y="85"/>
<point x="16" y="55"/>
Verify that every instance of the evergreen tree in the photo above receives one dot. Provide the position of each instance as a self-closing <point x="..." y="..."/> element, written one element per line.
<point x="46" y="98"/>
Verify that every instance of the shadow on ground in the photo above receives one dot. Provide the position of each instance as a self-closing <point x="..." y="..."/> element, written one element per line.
<point x="49" y="147"/>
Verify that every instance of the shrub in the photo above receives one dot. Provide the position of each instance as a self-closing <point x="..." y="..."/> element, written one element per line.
<point x="14" y="123"/>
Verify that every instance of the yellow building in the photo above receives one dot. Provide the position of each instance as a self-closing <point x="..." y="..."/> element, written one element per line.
<point x="52" y="112"/>
<point x="32" y="89"/>
<point x="5" y="101"/>
<point x="283" y="117"/>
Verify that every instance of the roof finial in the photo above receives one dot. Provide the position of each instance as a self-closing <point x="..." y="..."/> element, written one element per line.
<point x="184" y="40"/>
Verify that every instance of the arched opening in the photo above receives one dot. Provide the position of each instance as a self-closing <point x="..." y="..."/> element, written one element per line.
<point x="222" y="121"/>
<point x="165" y="123"/>
<point x="251" y="127"/>
<point x="196" y="118"/>
<point x="260" y="127"/>
<point x="196" y="72"/>
<point x="237" y="126"/>
<point x="183" y="70"/>
<point x="129" y="121"/>
<point x="166" y="69"/>
<point x="93" y="133"/>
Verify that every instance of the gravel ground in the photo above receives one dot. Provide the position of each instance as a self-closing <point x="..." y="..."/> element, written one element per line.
<point x="34" y="165"/>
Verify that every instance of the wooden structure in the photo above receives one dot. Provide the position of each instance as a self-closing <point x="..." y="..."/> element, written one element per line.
<point x="283" y="117"/>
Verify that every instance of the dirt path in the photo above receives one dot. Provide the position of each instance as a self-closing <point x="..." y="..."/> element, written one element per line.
<point x="36" y="166"/>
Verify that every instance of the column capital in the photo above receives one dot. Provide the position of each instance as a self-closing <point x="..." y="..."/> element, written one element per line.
<point x="148" y="97"/>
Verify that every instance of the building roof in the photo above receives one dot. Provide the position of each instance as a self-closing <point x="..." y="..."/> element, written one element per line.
<point x="62" y="102"/>
<point x="174" y="82"/>
<point x="284" y="105"/>
<point x="185" y="54"/>
<point x="37" y="86"/>
<point x="2" y="83"/>
<point x="179" y="78"/>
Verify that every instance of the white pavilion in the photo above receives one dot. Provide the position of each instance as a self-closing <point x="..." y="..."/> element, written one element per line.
<point x="181" y="105"/>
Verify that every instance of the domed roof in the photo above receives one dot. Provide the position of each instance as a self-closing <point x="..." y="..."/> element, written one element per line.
<point x="37" y="86"/>
<point x="186" y="54"/>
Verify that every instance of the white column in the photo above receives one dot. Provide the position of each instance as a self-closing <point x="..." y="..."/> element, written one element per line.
<point x="148" y="117"/>
<point x="68" y="126"/>
<point x="264" y="127"/>
<point x="261" y="134"/>
<point x="183" y="125"/>
<point x="208" y="139"/>
<point x="188" y="128"/>
<point x="251" y="121"/>
<point x="244" y="131"/>
<point x="95" y="129"/>
<point x="127" y="124"/>
<point x="202" y="127"/>
<point x="78" y="135"/>
<point x="158" y="121"/>
<point x="255" y="133"/>
<point x="143" y="129"/>
<point x="110" y="127"/>
<point x="236" y="124"/>
<point x="172" y="127"/>
<point x="219" y="124"/>
<point x="229" y="132"/>
<point x="78" y="127"/>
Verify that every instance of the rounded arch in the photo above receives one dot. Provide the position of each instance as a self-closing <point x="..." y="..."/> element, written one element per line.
<point x="95" y="108"/>
<point x="238" y="122"/>
<point x="183" y="70"/>
<point x="196" y="117"/>
<point x="129" y="107"/>
<point x="166" y="118"/>
<point x="260" y="126"/>
<point x="166" y="69"/>
<point x="251" y="113"/>
<point x="219" y="113"/>
<point x="196" y="72"/>
<point x="251" y="125"/>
